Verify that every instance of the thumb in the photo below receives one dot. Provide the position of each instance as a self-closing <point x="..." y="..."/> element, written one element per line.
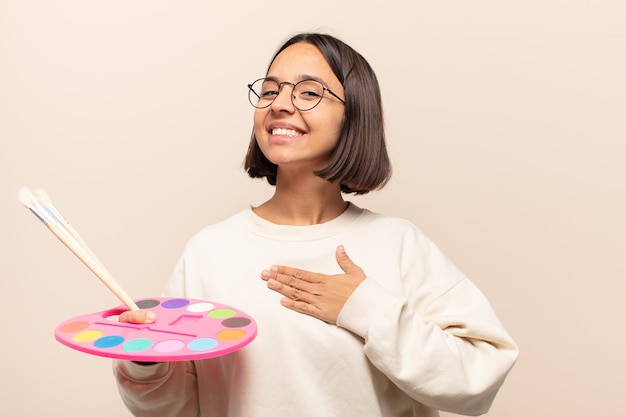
<point x="138" y="317"/>
<point x="344" y="261"/>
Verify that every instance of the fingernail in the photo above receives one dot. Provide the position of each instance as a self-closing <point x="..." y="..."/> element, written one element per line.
<point x="341" y="249"/>
<point x="273" y="268"/>
<point x="150" y="316"/>
<point x="265" y="273"/>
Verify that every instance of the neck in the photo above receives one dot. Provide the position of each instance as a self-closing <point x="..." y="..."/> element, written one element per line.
<point x="303" y="203"/>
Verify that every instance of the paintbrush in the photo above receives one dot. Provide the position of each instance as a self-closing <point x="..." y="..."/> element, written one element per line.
<point x="46" y="202"/>
<point x="60" y="227"/>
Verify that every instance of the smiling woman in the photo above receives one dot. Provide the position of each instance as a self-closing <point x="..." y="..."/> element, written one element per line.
<point x="359" y="161"/>
<point x="312" y="134"/>
<point x="504" y="124"/>
<point x="399" y="331"/>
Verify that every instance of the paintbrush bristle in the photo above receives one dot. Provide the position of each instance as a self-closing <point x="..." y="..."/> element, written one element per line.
<point x="43" y="197"/>
<point x="25" y="197"/>
<point x="29" y="201"/>
<point x="46" y="202"/>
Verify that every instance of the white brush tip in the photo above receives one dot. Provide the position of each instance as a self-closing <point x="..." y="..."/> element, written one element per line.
<point x="26" y="197"/>
<point x="43" y="197"/>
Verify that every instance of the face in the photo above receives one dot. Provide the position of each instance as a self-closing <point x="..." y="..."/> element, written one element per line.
<point x="294" y="139"/>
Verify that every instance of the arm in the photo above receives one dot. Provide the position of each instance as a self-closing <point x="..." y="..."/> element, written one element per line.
<point x="453" y="355"/>
<point x="166" y="389"/>
<point x="440" y="342"/>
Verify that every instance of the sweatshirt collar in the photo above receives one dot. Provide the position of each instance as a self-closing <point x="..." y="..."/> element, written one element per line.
<point x="257" y="225"/>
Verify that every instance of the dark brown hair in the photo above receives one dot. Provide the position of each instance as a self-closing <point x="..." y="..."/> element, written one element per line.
<point x="360" y="162"/>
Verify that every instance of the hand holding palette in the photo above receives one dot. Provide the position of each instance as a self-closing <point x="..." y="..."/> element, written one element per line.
<point x="185" y="329"/>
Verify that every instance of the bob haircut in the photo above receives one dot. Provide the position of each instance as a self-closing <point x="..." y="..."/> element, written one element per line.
<point x="359" y="162"/>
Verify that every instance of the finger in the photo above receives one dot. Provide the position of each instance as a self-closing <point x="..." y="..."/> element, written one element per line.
<point x="272" y="275"/>
<point x="290" y="292"/>
<point x="346" y="264"/>
<point x="285" y="270"/>
<point x="138" y="316"/>
<point x="288" y="274"/>
<point x="344" y="261"/>
<point x="307" y="308"/>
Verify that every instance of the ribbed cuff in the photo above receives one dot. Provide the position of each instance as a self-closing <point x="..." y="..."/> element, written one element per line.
<point x="365" y="306"/>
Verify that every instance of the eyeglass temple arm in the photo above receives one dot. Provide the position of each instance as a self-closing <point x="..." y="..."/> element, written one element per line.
<point x="251" y="89"/>
<point x="336" y="96"/>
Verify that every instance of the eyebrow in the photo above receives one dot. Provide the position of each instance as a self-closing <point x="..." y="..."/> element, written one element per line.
<point x="302" y="77"/>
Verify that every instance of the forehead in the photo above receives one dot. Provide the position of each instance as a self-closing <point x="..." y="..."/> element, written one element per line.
<point x="302" y="60"/>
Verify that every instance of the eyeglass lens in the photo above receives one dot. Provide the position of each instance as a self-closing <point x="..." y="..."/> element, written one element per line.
<point x="306" y="94"/>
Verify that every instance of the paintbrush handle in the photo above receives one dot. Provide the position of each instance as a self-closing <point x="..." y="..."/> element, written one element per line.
<point x="81" y="242"/>
<point x="79" y="248"/>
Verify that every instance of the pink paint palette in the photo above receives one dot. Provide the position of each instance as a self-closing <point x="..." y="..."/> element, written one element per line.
<point x="185" y="329"/>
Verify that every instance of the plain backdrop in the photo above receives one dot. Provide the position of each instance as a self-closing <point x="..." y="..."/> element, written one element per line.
<point x="506" y="128"/>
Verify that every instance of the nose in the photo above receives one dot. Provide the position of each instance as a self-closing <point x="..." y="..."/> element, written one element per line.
<point x="283" y="101"/>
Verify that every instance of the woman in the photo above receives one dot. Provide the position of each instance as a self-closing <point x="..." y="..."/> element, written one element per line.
<point x="393" y="329"/>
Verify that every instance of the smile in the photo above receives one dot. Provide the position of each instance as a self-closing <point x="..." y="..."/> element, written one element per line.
<point x="286" y="132"/>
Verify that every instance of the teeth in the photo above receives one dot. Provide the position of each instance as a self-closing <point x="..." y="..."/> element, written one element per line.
<point x="285" y="132"/>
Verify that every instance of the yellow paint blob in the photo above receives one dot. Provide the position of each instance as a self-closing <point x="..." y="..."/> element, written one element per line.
<point x="88" y="336"/>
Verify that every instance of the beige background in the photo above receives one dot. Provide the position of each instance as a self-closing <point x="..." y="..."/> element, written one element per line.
<point x="506" y="129"/>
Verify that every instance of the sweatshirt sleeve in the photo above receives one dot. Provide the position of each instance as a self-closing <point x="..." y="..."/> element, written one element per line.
<point x="165" y="389"/>
<point x="162" y="390"/>
<point x="440" y="342"/>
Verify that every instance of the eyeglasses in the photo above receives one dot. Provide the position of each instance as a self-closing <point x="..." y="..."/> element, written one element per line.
<point x="306" y="94"/>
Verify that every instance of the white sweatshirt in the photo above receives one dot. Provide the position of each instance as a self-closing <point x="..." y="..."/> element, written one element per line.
<point x="415" y="337"/>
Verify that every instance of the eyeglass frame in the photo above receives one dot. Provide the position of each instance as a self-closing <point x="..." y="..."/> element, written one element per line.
<point x="293" y="85"/>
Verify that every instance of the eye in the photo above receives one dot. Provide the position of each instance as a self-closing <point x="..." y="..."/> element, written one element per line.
<point x="310" y="94"/>
<point x="269" y="93"/>
<point x="267" y="89"/>
<point x="309" y="90"/>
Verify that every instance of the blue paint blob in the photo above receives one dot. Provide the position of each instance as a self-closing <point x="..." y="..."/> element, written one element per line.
<point x="108" y="342"/>
<point x="204" y="343"/>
